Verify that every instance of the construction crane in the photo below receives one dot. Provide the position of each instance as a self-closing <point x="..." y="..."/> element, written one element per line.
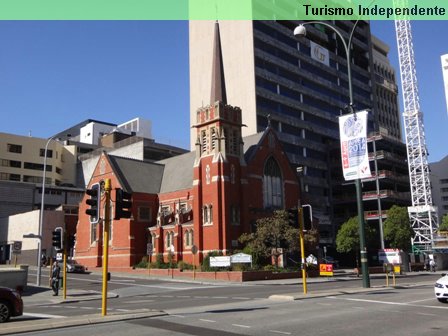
<point x="422" y="213"/>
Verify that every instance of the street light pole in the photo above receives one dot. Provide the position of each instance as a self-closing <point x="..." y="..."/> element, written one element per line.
<point x="41" y="215"/>
<point x="301" y="31"/>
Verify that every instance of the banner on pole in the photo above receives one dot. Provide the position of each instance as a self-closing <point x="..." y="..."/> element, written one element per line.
<point x="354" y="154"/>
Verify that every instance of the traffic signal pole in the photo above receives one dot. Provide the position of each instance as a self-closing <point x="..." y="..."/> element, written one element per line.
<point x="64" y="272"/>
<point x="106" y="224"/>
<point x="302" y="247"/>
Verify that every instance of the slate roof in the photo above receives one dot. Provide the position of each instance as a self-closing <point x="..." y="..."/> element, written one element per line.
<point x="178" y="173"/>
<point x="137" y="176"/>
<point x="168" y="175"/>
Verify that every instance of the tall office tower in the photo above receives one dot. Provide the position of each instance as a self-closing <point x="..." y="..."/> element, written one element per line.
<point x="386" y="92"/>
<point x="301" y="84"/>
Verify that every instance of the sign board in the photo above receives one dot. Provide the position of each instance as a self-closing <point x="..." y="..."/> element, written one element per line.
<point x="222" y="261"/>
<point x="194" y="249"/>
<point x="319" y="53"/>
<point x="17" y="247"/>
<point x="326" y="269"/>
<point x="149" y="249"/>
<point x="59" y="256"/>
<point x="389" y="256"/>
<point x="354" y="154"/>
<point x="241" y="258"/>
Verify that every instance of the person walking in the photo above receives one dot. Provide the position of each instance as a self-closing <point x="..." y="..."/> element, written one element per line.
<point x="55" y="271"/>
<point x="432" y="265"/>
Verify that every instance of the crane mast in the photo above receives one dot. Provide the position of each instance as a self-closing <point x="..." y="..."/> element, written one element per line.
<point x="422" y="213"/>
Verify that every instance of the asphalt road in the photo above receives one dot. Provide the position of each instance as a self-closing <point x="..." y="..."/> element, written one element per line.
<point x="136" y="293"/>
<point x="398" y="311"/>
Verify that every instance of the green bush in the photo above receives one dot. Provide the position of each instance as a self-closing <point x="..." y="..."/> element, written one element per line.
<point x="182" y="265"/>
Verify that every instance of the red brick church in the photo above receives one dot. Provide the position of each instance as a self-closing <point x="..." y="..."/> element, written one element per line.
<point x="206" y="198"/>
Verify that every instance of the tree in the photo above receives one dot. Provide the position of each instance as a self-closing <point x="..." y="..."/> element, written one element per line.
<point x="272" y="233"/>
<point x="444" y="225"/>
<point x="347" y="239"/>
<point x="397" y="229"/>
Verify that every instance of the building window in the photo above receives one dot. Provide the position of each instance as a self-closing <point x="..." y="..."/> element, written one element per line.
<point x="12" y="148"/>
<point x="210" y="214"/>
<point x="11" y="163"/>
<point x="205" y="215"/>
<point x="214" y="138"/>
<point x="272" y="185"/>
<point x="153" y="241"/>
<point x="232" y="174"/>
<point x="49" y="153"/>
<point x="59" y="170"/>
<point x="443" y="181"/>
<point x="37" y="166"/>
<point x="188" y="238"/>
<point x="9" y="177"/>
<point x="93" y="233"/>
<point x="169" y="239"/>
<point x="235" y="215"/>
<point x="444" y="189"/>
<point x="144" y="214"/>
<point x="36" y="179"/>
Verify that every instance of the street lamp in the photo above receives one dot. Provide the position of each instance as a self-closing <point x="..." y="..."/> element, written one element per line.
<point x="301" y="31"/>
<point x="41" y="215"/>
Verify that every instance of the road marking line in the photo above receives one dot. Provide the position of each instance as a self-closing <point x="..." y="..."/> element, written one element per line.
<point x="425" y="314"/>
<point x="240" y="298"/>
<point x="324" y="304"/>
<point x="200" y="297"/>
<point x="174" y="315"/>
<point x="241" y="326"/>
<point x="420" y="300"/>
<point x="139" y="301"/>
<point x="183" y="296"/>
<point x="123" y="310"/>
<point x="386" y="302"/>
<point x="88" y="308"/>
<point x="166" y="296"/>
<point x="204" y="320"/>
<point x="43" y="315"/>
<point x="280" y="332"/>
<point x="220" y="297"/>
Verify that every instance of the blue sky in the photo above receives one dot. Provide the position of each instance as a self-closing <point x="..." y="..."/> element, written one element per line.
<point x="54" y="74"/>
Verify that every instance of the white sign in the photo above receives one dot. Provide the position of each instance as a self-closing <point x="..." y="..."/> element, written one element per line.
<point x="354" y="154"/>
<point x="319" y="53"/>
<point x="59" y="256"/>
<point x="241" y="258"/>
<point x="389" y="256"/>
<point x="222" y="261"/>
<point x="444" y="59"/>
<point x="149" y="249"/>
<point x="311" y="259"/>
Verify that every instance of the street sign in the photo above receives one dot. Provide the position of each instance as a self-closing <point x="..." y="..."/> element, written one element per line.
<point x="194" y="249"/>
<point x="389" y="256"/>
<point x="326" y="269"/>
<point x="17" y="247"/>
<point x="222" y="261"/>
<point x="149" y="249"/>
<point x="241" y="258"/>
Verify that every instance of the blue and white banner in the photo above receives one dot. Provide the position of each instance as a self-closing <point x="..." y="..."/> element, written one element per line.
<point x="354" y="153"/>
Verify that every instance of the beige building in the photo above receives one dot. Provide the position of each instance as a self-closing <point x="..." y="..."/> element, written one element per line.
<point x="22" y="159"/>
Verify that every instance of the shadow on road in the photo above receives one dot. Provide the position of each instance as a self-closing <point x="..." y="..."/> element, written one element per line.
<point x="235" y="310"/>
<point x="31" y="290"/>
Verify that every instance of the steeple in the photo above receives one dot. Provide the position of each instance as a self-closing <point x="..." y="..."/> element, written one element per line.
<point x="218" y="92"/>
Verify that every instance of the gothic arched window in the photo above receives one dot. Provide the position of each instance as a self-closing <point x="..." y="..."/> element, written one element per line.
<point x="272" y="185"/>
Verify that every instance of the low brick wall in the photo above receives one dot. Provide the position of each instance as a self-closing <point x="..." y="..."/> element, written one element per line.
<point x="236" y="276"/>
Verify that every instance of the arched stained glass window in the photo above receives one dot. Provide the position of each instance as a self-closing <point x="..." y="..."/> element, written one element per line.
<point x="272" y="185"/>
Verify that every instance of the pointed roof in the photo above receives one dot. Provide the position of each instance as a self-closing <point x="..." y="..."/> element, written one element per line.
<point x="137" y="176"/>
<point x="218" y="92"/>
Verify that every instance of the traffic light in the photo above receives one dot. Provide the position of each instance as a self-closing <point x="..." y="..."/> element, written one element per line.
<point x="293" y="217"/>
<point x="57" y="238"/>
<point x="307" y="220"/>
<point x="70" y="241"/>
<point x="94" y="201"/>
<point x="123" y="204"/>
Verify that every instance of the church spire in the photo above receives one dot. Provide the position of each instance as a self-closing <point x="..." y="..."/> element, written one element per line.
<point x="218" y="92"/>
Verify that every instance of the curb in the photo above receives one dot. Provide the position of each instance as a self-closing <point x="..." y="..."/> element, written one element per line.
<point x="294" y="297"/>
<point x="39" y="325"/>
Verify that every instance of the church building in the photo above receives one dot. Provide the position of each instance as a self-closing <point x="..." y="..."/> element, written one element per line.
<point x="204" y="199"/>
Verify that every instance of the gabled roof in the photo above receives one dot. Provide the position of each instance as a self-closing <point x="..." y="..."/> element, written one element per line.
<point x="251" y="144"/>
<point x="137" y="176"/>
<point x="178" y="172"/>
